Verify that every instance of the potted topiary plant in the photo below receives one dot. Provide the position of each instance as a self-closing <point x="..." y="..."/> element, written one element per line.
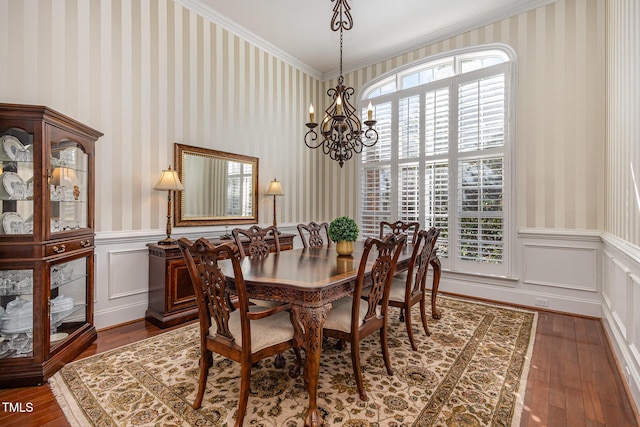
<point x="344" y="231"/>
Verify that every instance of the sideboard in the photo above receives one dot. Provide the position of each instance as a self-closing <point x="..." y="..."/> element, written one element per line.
<point x="171" y="297"/>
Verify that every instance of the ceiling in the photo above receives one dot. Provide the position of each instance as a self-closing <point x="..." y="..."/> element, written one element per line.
<point x="298" y="31"/>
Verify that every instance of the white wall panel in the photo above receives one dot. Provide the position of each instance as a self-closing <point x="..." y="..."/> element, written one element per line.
<point x="619" y="305"/>
<point x="571" y="267"/>
<point x="608" y="281"/>
<point x="634" y="324"/>
<point x="621" y="316"/>
<point x="127" y="275"/>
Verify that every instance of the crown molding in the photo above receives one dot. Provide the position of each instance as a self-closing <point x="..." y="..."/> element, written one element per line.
<point x="438" y="36"/>
<point x="214" y="16"/>
<point x="452" y="31"/>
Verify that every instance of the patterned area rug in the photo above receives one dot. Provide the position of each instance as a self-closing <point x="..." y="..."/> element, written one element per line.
<point x="471" y="371"/>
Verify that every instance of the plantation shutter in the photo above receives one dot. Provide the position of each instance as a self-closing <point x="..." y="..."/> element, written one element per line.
<point x="440" y="160"/>
<point x="481" y="132"/>
<point x="436" y="171"/>
<point x="375" y="196"/>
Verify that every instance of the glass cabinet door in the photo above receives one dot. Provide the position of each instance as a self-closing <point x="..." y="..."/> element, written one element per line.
<point x="68" y="184"/>
<point x="68" y="298"/>
<point x="16" y="313"/>
<point x="16" y="182"/>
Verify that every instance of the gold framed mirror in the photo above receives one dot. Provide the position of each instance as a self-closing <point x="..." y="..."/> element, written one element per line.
<point x="220" y="187"/>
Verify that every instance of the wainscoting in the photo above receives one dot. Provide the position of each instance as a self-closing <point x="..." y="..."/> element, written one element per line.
<point x="620" y="303"/>
<point x="579" y="272"/>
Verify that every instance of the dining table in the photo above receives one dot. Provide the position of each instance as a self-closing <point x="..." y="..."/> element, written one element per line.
<point x="310" y="279"/>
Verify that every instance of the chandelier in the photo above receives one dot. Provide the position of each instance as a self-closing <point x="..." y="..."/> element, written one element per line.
<point x="341" y="132"/>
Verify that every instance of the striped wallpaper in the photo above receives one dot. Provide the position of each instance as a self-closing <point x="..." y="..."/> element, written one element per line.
<point x="149" y="73"/>
<point x="560" y="126"/>
<point x="622" y="200"/>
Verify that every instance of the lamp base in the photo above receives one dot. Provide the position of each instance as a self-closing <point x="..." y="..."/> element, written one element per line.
<point x="167" y="241"/>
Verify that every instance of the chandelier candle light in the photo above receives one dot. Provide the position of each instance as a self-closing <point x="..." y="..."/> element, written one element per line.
<point x="169" y="181"/>
<point x="341" y="130"/>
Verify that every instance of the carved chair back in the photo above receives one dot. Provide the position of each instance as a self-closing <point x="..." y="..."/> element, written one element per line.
<point x="409" y="228"/>
<point x="314" y="230"/>
<point x="382" y="270"/>
<point x="421" y="262"/>
<point x="258" y="245"/>
<point x="210" y="285"/>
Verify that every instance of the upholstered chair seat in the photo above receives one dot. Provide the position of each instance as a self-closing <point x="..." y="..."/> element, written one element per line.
<point x="340" y="315"/>
<point x="265" y="332"/>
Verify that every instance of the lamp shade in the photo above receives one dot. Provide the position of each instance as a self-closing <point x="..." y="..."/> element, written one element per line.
<point x="275" y="189"/>
<point x="63" y="176"/>
<point x="169" y="180"/>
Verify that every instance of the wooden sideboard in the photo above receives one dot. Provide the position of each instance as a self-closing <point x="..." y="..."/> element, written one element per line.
<point x="171" y="297"/>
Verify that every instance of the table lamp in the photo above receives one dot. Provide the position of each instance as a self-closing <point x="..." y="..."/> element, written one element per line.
<point x="168" y="181"/>
<point x="275" y="189"/>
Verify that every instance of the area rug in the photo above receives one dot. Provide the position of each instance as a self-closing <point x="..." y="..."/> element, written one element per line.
<point x="471" y="371"/>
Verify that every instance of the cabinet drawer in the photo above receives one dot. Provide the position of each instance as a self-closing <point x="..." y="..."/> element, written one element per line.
<point x="67" y="246"/>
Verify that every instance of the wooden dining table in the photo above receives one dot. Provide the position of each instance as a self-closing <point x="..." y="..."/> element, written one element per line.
<point x="310" y="279"/>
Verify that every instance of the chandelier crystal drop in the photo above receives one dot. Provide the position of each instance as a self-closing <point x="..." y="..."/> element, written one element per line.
<point x="341" y="133"/>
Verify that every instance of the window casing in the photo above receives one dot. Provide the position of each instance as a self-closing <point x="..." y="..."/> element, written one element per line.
<point x="443" y="157"/>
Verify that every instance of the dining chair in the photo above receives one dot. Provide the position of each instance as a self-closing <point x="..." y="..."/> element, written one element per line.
<point x="409" y="290"/>
<point x="314" y="230"/>
<point x="409" y="228"/>
<point x="258" y="245"/>
<point x="353" y="318"/>
<point x="244" y="335"/>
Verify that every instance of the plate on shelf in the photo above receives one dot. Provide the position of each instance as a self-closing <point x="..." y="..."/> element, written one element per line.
<point x="13" y="185"/>
<point x="12" y="222"/>
<point x="58" y="336"/>
<point x="68" y="156"/>
<point x="11" y="146"/>
<point x="17" y="329"/>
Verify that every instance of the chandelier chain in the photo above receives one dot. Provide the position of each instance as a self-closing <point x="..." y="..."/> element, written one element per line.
<point x="341" y="132"/>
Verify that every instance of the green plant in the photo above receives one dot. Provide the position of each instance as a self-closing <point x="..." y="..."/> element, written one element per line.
<point x="343" y="228"/>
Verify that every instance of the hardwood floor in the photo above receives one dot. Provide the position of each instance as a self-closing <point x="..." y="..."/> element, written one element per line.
<point x="573" y="380"/>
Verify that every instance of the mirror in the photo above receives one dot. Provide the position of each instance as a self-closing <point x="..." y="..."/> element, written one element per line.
<point x="220" y="188"/>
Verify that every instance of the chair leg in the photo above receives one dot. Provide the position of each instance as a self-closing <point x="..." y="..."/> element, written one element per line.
<point x="357" y="370"/>
<point x="423" y="315"/>
<point x="279" y="361"/>
<point x="407" y="322"/>
<point x="401" y="317"/>
<point x="245" y="386"/>
<point x="435" y="263"/>
<point x="205" y="364"/>
<point x="294" y="371"/>
<point x="385" y="349"/>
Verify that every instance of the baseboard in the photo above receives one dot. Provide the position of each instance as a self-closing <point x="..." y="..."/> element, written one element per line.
<point x="107" y="318"/>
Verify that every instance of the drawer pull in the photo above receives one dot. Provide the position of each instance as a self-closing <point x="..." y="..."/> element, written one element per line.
<point x="85" y="243"/>
<point x="60" y="249"/>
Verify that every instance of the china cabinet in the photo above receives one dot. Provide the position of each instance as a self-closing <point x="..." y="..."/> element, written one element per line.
<point x="46" y="242"/>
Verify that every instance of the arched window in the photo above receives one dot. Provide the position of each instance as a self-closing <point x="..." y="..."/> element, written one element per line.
<point x="443" y="155"/>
